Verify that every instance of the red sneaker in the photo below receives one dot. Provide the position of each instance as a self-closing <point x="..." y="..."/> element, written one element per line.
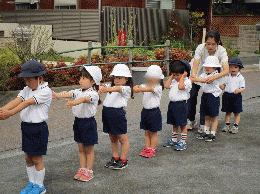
<point x="87" y="176"/>
<point x="143" y="152"/>
<point x="79" y="174"/>
<point x="150" y="153"/>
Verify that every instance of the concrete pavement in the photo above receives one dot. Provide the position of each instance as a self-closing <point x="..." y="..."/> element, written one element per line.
<point x="229" y="165"/>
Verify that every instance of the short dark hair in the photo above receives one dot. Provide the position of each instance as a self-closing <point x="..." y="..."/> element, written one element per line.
<point x="177" y="67"/>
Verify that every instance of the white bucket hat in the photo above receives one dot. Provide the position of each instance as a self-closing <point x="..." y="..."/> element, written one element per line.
<point x="95" y="73"/>
<point x="211" y="61"/>
<point x="154" y="71"/>
<point x="121" y="70"/>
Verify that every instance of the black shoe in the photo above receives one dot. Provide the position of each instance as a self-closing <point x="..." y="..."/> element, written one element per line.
<point x="210" y="138"/>
<point x="120" y="165"/>
<point x="111" y="163"/>
<point x="202" y="136"/>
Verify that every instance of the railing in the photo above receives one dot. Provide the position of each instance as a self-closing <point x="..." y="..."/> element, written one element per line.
<point x="130" y="62"/>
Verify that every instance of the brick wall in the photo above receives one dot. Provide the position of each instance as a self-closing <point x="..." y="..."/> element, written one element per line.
<point x="246" y="42"/>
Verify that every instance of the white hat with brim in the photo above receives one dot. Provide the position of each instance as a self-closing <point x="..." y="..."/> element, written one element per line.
<point x="211" y="61"/>
<point x="154" y="71"/>
<point x="95" y="73"/>
<point x="121" y="70"/>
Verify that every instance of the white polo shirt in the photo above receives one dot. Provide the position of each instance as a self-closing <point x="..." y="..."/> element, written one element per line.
<point x="212" y="87"/>
<point x="38" y="112"/>
<point x="116" y="99"/>
<point x="152" y="99"/>
<point x="179" y="95"/>
<point x="202" y="53"/>
<point x="85" y="110"/>
<point x="234" y="83"/>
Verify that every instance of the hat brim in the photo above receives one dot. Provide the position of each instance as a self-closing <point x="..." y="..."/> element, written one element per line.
<point x="119" y="75"/>
<point x="211" y="65"/>
<point x="28" y="74"/>
<point x="240" y="65"/>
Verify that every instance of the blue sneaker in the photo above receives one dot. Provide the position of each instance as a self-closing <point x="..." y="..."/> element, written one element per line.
<point x="169" y="143"/>
<point x="37" y="189"/>
<point x="181" y="146"/>
<point x="27" y="189"/>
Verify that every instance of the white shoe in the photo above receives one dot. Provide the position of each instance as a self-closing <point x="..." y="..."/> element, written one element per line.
<point x="201" y="128"/>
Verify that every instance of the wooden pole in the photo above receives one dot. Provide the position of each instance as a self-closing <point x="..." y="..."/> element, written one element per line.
<point x="167" y="50"/>
<point x="89" y="51"/>
<point x="130" y="53"/>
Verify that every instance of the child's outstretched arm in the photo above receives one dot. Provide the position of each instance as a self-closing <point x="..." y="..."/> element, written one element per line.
<point x="197" y="79"/>
<point x="181" y="85"/>
<point x="69" y="104"/>
<point x="7" y="113"/>
<point x="63" y="94"/>
<point x="144" y="89"/>
<point x="239" y="91"/>
<point x="168" y="83"/>
<point x="105" y="89"/>
<point x="12" y="104"/>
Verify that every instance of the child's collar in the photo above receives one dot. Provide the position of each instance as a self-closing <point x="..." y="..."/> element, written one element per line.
<point x="214" y="72"/>
<point x="238" y="74"/>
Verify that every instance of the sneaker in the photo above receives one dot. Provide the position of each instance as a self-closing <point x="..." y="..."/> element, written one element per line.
<point x="191" y="124"/>
<point x="233" y="130"/>
<point x="181" y="146"/>
<point x="169" y="143"/>
<point x="150" y="153"/>
<point x="226" y="128"/>
<point x="143" y="152"/>
<point x="87" y="176"/>
<point x="37" y="189"/>
<point x="120" y="165"/>
<point x="203" y="135"/>
<point x="111" y="163"/>
<point x="79" y="174"/>
<point x="27" y="189"/>
<point x="200" y="130"/>
<point x="210" y="138"/>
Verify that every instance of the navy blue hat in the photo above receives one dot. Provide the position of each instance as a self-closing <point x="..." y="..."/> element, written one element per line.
<point x="236" y="61"/>
<point x="32" y="69"/>
<point x="187" y="66"/>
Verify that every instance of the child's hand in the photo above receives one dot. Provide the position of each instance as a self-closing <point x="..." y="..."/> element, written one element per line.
<point x="136" y="89"/>
<point x="185" y="74"/>
<point x="5" y="114"/>
<point x="236" y="92"/>
<point x="69" y="104"/>
<point x="209" y="79"/>
<point x="102" y="89"/>
<point x="54" y="95"/>
<point x="193" y="78"/>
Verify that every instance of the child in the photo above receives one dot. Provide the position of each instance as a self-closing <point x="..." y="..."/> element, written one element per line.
<point x="151" y="117"/>
<point x="180" y="86"/>
<point x="84" y="107"/>
<point x="113" y="114"/>
<point x="33" y="102"/>
<point x="232" y="98"/>
<point x="210" y="99"/>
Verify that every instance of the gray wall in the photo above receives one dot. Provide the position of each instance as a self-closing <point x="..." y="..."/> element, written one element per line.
<point x="66" y="24"/>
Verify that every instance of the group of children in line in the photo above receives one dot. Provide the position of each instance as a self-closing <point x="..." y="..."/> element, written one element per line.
<point x="35" y="99"/>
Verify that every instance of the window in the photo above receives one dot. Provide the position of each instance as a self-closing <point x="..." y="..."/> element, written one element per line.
<point x="26" y="6"/>
<point x="66" y="7"/>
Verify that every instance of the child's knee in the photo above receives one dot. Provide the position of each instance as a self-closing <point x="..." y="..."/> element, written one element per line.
<point x="114" y="138"/>
<point x="123" y="139"/>
<point x="37" y="159"/>
<point x="28" y="160"/>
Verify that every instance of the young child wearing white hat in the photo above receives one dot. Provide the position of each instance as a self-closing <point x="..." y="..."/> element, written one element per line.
<point x="84" y="107"/>
<point x="210" y="100"/>
<point x="113" y="114"/>
<point x="151" y="117"/>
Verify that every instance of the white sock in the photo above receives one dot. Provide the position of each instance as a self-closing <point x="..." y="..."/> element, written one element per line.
<point x="31" y="173"/>
<point x="213" y="133"/>
<point x="40" y="177"/>
<point x="206" y="130"/>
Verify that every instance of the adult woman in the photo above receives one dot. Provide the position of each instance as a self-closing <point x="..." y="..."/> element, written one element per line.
<point x="212" y="47"/>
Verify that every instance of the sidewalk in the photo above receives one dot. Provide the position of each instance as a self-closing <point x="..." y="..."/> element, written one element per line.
<point x="228" y="165"/>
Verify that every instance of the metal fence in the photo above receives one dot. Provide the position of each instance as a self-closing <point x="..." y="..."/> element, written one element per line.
<point x="149" y="24"/>
<point x="229" y="25"/>
<point x="82" y="25"/>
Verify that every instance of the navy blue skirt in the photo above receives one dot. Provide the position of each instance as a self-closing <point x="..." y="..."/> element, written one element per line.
<point x="85" y="131"/>
<point x="209" y="105"/>
<point x="151" y="119"/>
<point x="114" y="121"/>
<point x="177" y="113"/>
<point x="232" y="102"/>
<point x="34" y="138"/>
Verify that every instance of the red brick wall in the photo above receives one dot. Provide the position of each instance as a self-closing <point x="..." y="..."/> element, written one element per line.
<point x="93" y="4"/>
<point x="46" y="4"/>
<point x="180" y="4"/>
<point x="6" y="6"/>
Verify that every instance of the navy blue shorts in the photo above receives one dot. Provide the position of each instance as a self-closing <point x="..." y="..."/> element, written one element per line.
<point x="232" y="103"/>
<point x="85" y="131"/>
<point x="151" y="119"/>
<point x="177" y="113"/>
<point x="209" y="105"/>
<point x="34" y="138"/>
<point x="114" y="121"/>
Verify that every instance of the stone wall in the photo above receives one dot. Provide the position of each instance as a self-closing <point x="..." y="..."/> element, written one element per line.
<point x="246" y="42"/>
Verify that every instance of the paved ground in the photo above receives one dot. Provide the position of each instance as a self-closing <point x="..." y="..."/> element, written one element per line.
<point x="229" y="165"/>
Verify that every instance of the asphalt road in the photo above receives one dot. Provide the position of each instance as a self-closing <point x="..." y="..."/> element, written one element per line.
<point x="229" y="165"/>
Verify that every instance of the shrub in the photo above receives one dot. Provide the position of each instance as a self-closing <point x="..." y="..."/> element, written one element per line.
<point x="231" y="52"/>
